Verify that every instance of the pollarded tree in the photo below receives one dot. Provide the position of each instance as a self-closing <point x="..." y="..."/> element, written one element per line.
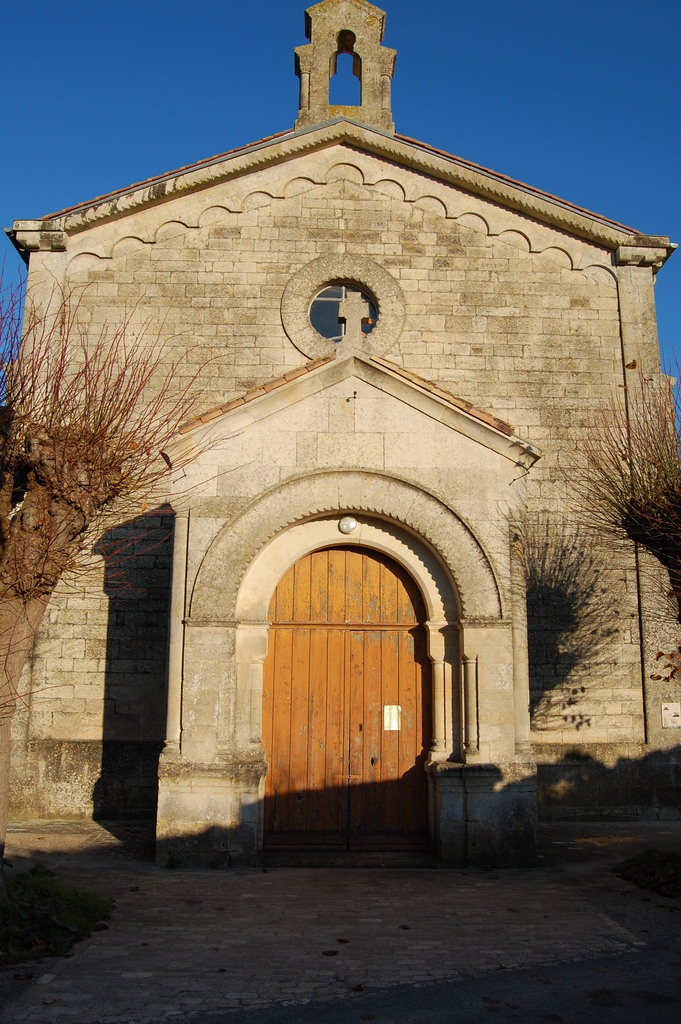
<point x="84" y="422"/>
<point x="632" y="477"/>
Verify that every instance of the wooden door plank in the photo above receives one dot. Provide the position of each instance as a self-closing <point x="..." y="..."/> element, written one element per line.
<point x="336" y="585"/>
<point x="413" y="810"/>
<point x="410" y="603"/>
<point x="336" y="765"/>
<point x="390" y="696"/>
<point x="301" y="590"/>
<point x="409" y="738"/>
<point x="281" y="606"/>
<point x="299" y="734"/>
<point x="389" y="597"/>
<point x="355" y="705"/>
<point x="374" y="767"/>
<point x="353" y="585"/>
<point x="319" y="586"/>
<point x="316" y="710"/>
<point x="372" y="570"/>
<point x="317" y="781"/>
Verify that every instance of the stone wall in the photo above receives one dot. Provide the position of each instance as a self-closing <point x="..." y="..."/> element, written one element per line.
<point x="90" y="728"/>
<point x="513" y="315"/>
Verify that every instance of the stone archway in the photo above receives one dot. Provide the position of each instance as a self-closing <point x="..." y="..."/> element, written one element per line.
<point x="424" y="567"/>
<point x="441" y="618"/>
<point x="213" y="768"/>
<point x="474" y="583"/>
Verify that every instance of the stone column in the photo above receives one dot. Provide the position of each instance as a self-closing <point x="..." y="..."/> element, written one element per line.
<point x="176" y="630"/>
<point x="469" y="669"/>
<point x="47" y="251"/>
<point x="635" y="280"/>
<point x="305" y="90"/>
<point x="303" y="72"/>
<point x="250" y="653"/>
<point x="521" y="667"/>
<point x="436" y="653"/>
<point x="636" y="267"/>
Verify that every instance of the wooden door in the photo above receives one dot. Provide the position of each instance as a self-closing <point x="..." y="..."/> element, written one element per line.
<point x="346" y="706"/>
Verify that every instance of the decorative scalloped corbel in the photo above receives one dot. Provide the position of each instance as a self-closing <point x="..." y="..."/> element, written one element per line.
<point x="32" y="236"/>
<point x="643" y="255"/>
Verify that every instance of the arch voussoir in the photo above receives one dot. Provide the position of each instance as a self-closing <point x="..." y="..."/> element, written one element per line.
<point x="374" y="498"/>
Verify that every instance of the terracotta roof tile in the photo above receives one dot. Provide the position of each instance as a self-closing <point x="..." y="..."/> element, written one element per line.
<point x="511" y="181"/>
<point x="262" y="389"/>
<point x="447" y="396"/>
<point x="294" y="374"/>
<point x="423" y="146"/>
<point x="146" y="182"/>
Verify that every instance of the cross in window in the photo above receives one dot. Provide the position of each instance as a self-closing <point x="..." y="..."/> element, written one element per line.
<point x="354" y="311"/>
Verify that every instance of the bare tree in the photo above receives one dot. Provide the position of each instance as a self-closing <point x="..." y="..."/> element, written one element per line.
<point x="84" y="422"/>
<point x="631" y="480"/>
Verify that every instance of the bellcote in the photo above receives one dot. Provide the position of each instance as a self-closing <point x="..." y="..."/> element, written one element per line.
<point x="337" y="28"/>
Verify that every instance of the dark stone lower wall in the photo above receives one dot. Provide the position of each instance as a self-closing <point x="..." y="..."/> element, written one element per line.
<point x="483" y="815"/>
<point x="604" y="781"/>
<point x="118" y="779"/>
<point x="85" y="779"/>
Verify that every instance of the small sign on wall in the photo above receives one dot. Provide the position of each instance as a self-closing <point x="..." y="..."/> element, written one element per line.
<point x="392" y="717"/>
<point x="671" y="716"/>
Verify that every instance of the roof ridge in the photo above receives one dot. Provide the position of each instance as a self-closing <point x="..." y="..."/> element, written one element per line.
<point x="274" y="383"/>
<point x="513" y="181"/>
<point x="293" y="133"/>
<point x="184" y="169"/>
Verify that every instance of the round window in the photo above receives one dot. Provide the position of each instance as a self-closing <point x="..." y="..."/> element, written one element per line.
<point x="327" y="317"/>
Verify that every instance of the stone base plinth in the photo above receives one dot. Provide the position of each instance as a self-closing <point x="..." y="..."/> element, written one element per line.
<point x="481" y="815"/>
<point x="208" y="814"/>
<point x="484" y="815"/>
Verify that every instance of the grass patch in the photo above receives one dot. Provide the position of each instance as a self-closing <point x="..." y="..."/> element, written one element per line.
<point x="659" y="872"/>
<point x="44" y="918"/>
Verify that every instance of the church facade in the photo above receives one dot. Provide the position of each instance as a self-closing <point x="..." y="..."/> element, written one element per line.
<point x="368" y="617"/>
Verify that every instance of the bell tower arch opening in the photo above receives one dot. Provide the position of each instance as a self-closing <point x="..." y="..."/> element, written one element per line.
<point x="345" y="79"/>
<point x="344" y="70"/>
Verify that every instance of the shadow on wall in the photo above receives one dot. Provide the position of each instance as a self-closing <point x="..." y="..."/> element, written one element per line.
<point x="578" y="784"/>
<point x="138" y="563"/>
<point x="498" y="831"/>
<point x="570" y="619"/>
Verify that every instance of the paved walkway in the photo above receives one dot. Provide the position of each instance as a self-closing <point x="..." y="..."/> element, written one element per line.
<point x="188" y="944"/>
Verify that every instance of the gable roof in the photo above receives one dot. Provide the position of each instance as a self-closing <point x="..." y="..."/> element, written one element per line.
<point x="399" y="149"/>
<point x="429" y="398"/>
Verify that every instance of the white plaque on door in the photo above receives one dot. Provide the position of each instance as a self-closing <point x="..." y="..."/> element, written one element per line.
<point x="392" y="717"/>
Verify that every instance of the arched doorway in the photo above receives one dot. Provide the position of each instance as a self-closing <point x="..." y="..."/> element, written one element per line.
<point x="346" y="705"/>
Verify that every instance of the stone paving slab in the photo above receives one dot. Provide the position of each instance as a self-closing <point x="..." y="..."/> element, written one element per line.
<point x="183" y="941"/>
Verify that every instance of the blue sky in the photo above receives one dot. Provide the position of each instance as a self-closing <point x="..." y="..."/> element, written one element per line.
<point x="581" y="99"/>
